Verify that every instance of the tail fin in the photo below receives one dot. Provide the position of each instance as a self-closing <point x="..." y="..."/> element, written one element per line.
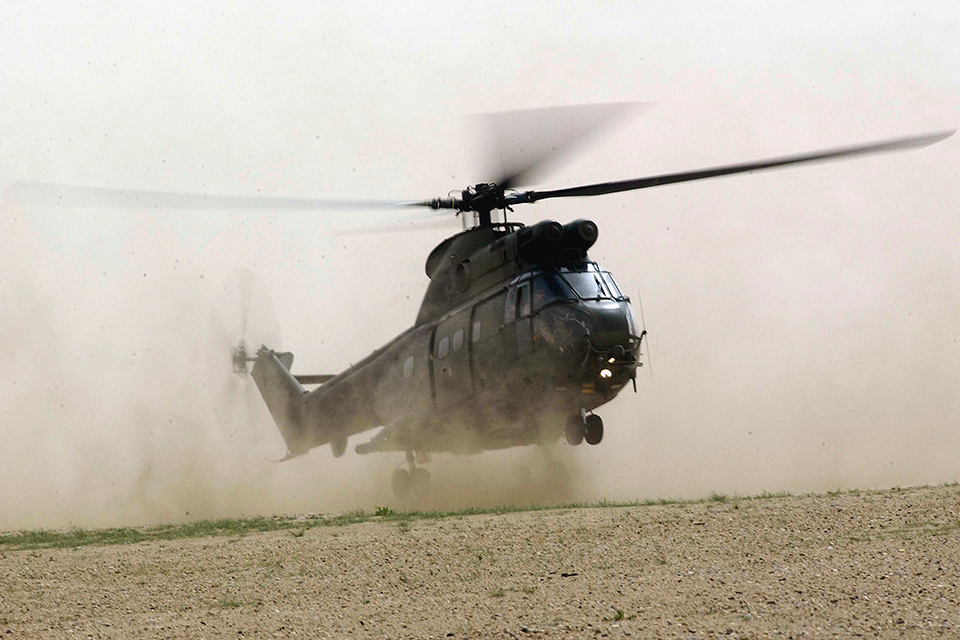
<point x="283" y="396"/>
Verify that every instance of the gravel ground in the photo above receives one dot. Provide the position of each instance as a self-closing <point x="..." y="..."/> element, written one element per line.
<point x="878" y="564"/>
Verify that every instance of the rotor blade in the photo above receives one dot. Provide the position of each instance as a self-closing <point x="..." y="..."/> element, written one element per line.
<point x="63" y="195"/>
<point x="434" y="221"/>
<point x="602" y="188"/>
<point x="519" y="143"/>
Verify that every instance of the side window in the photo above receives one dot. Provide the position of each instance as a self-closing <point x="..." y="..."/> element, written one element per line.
<point x="510" y="312"/>
<point x="408" y="367"/>
<point x="443" y="348"/>
<point x="457" y="339"/>
<point x="476" y="330"/>
<point x="547" y="289"/>
<point x="523" y="300"/>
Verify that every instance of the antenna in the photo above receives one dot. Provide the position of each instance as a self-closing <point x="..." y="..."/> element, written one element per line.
<point x="644" y="334"/>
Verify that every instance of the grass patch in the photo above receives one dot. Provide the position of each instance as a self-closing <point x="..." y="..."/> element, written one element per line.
<point x="76" y="537"/>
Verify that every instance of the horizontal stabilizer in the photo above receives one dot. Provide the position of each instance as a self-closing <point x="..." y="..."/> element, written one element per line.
<point x="313" y="379"/>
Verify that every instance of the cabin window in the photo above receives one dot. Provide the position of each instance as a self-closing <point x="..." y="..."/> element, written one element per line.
<point x="476" y="331"/>
<point x="443" y="348"/>
<point x="523" y="300"/>
<point x="457" y="339"/>
<point x="408" y="367"/>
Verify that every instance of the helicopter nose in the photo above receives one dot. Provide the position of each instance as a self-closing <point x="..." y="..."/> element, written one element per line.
<point x="613" y="342"/>
<point x="609" y="328"/>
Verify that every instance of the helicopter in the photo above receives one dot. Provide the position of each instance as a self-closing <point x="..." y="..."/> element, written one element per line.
<point x="520" y="338"/>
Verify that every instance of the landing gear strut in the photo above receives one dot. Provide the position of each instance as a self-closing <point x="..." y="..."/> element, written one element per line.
<point x="417" y="478"/>
<point x="587" y="427"/>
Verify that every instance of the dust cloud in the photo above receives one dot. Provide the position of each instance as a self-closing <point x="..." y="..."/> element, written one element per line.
<point x="802" y="367"/>
<point x="120" y="405"/>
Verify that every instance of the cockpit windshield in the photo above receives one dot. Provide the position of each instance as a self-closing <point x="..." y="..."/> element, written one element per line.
<point x="549" y="288"/>
<point x="591" y="282"/>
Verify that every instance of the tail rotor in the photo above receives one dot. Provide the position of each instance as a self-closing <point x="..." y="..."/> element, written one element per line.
<point x="242" y="319"/>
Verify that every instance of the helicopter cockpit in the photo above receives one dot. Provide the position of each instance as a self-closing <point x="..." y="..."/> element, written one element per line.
<point x="590" y="282"/>
<point x="584" y="281"/>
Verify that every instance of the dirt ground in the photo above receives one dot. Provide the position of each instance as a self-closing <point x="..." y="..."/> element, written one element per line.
<point x="877" y="564"/>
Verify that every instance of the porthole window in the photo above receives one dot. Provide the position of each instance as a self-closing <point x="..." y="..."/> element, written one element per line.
<point x="408" y="367"/>
<point x="443" y="348"/>
<point x="457" y="339"/>
<point x="476" y="331"/>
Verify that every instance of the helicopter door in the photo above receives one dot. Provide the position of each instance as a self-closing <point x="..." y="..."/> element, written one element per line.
<point x="486" y="342"/>
<point x="517" y="332"/>
<point x="451" y="361"/>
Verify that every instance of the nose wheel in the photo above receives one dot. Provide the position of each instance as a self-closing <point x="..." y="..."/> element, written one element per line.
<point x="593" y="429"/>
<point x="584" y="427"/>
<point x="574" y="430"/>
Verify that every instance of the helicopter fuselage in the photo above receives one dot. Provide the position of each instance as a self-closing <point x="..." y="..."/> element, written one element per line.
<point x="508" y="365"/>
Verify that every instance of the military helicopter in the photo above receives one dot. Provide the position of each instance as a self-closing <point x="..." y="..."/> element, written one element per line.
<point x="520" y="337"/>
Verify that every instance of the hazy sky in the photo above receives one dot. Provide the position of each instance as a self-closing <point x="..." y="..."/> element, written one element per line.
<point x="804" y="322"/>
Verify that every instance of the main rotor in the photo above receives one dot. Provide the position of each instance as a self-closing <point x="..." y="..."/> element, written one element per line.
<point x="522" y="142"/>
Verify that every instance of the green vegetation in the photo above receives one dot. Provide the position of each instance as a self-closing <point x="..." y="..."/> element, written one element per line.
<point x="299" y="525"/>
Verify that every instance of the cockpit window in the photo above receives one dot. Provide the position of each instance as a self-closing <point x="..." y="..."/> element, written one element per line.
<point x="591" y="283"/>
<point x="548" y="288"/>
<point x="611" y="285"/>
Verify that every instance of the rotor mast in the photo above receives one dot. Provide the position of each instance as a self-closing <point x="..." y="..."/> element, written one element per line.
<point x="480" y="199"/>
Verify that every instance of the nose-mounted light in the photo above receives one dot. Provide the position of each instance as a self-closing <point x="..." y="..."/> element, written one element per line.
<point x="606" y="373"/>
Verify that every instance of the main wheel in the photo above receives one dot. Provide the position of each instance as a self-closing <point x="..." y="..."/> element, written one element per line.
<point x="574" y="430"/>
<point x="338" y="446"/>
<point x="419" y="478"/>
<point x="401" y="482"/>
<point x="593" y="429"/>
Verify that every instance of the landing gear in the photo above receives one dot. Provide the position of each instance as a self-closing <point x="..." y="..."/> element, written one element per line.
<point x="584" y="427"/>
<point x="593" y="429"/>
<point x="419" y="478"/>
<point x="339" y="447"/>
<point x="416" y="479"/>
<point x="401" y="482"/>
<point x="574" y="430"/>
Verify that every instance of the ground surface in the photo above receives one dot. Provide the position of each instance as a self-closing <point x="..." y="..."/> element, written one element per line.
<point x="873" y="563"/>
